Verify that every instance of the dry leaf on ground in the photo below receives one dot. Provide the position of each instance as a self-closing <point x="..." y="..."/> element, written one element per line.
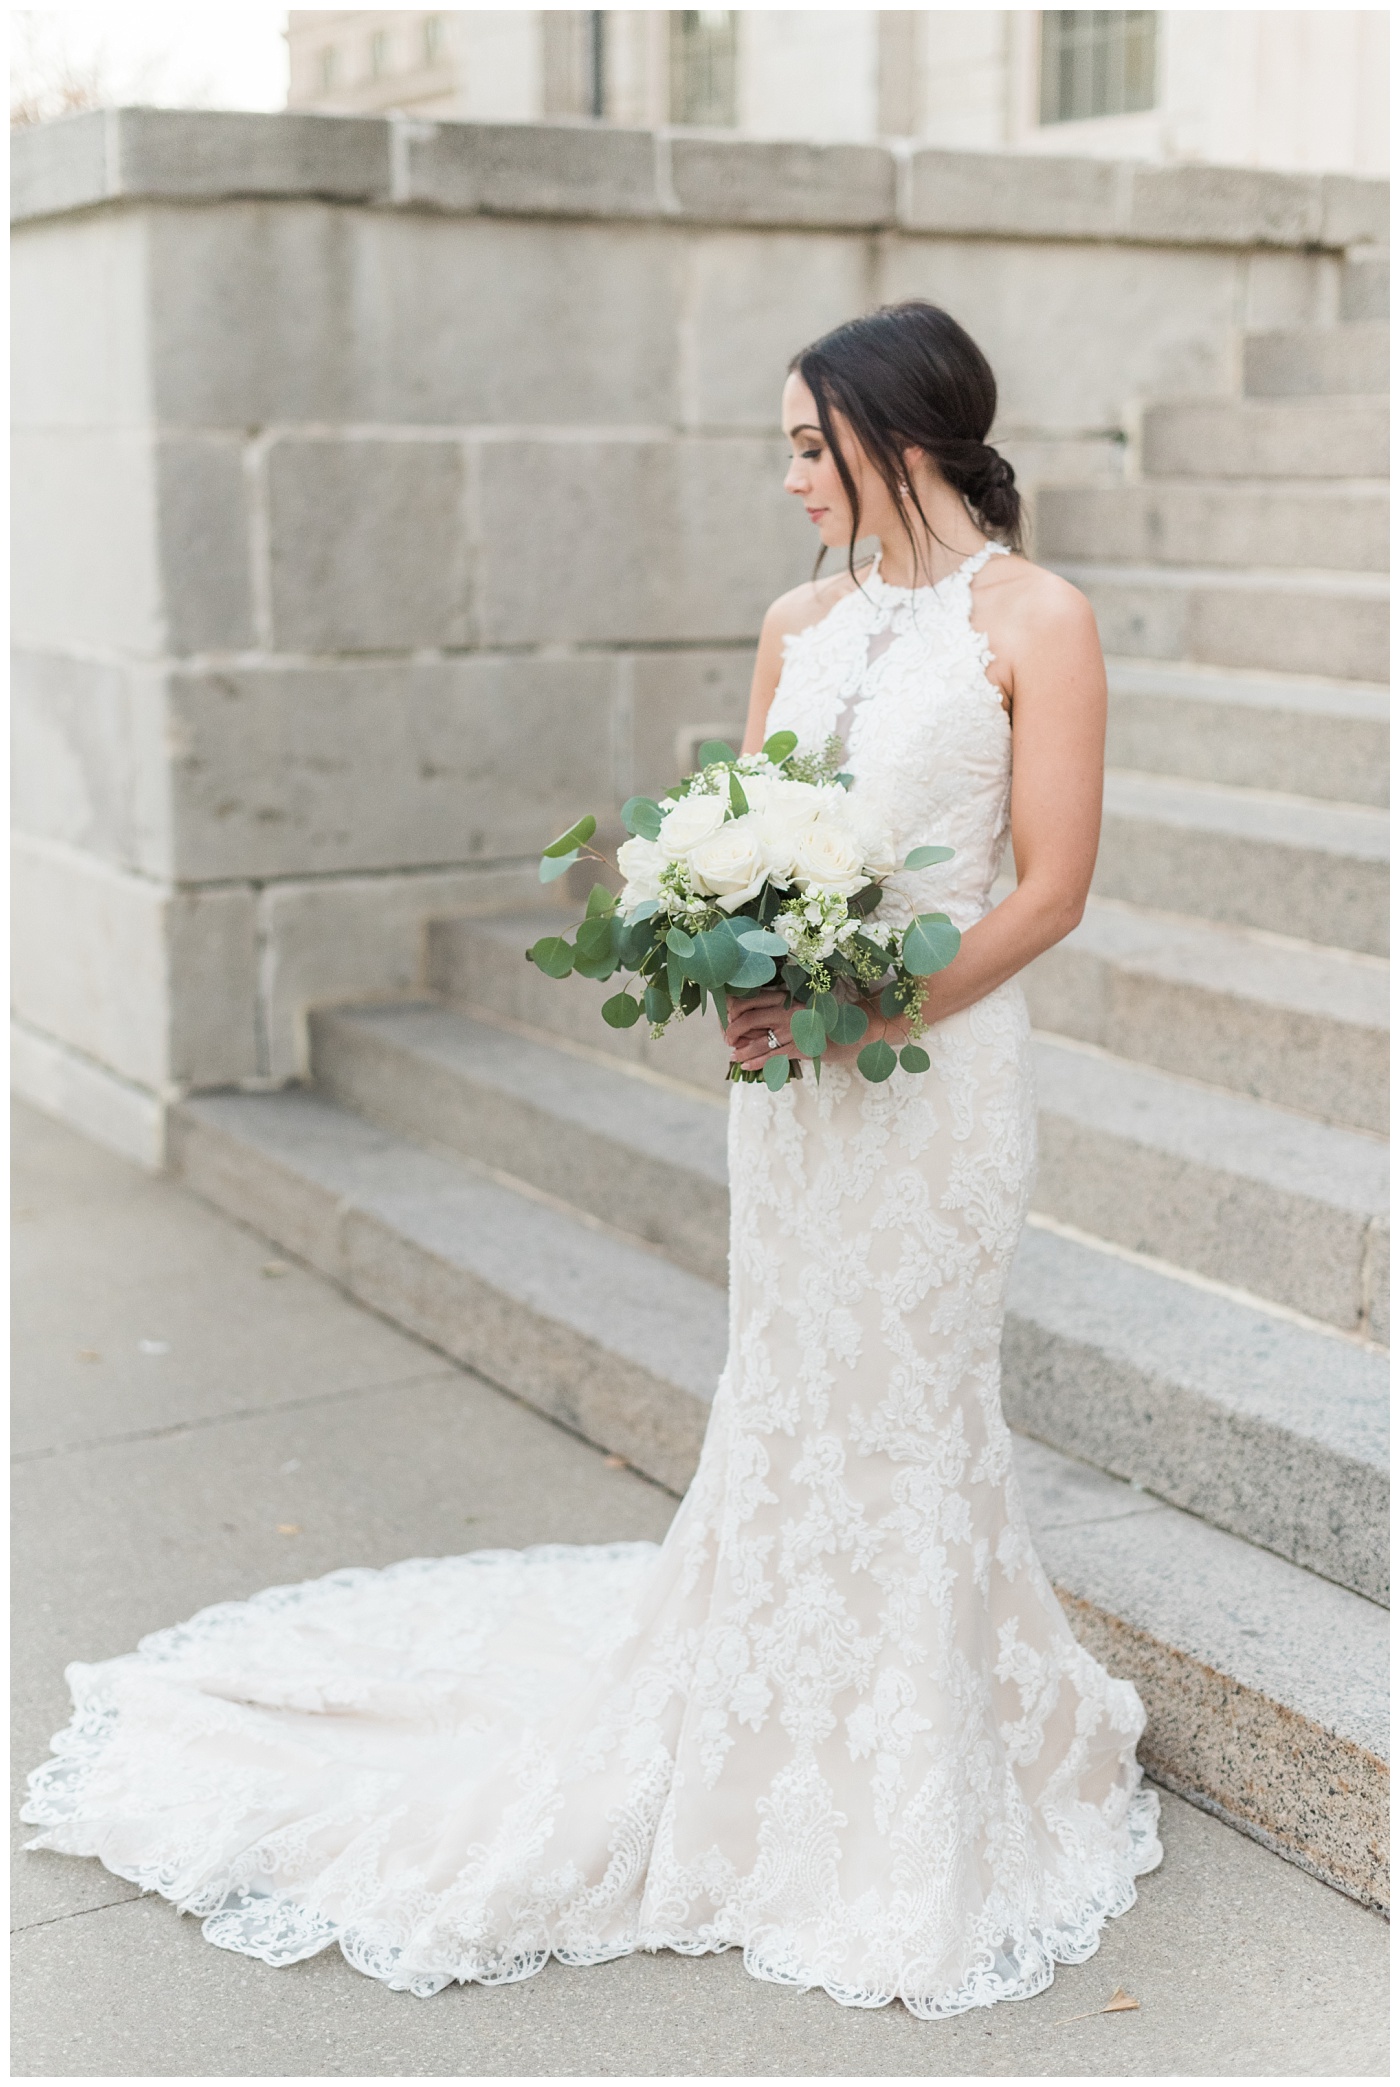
<point x="1119" y="2003"/>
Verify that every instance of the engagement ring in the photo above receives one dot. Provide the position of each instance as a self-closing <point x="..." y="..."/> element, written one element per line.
<point x="772" y="1041"/>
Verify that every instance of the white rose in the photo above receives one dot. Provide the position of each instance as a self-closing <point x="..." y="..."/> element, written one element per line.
<point x="876" y="841"/>
<point x="693" y="820"/>
<point x="731" y="865"/>
<point x="641" y="863"/>
<point x="828" y="855"/>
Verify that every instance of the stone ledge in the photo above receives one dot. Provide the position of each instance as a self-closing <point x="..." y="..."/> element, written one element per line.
<point x="574" y="170"/>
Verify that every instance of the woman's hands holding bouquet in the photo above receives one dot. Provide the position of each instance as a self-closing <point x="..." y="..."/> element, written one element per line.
<point x="768" y="1014"/>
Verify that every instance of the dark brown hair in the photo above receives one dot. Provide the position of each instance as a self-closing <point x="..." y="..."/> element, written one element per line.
<point x="909" y="377"/>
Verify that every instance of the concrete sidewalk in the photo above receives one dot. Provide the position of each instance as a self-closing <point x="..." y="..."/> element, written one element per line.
<point x="195" y="1419"/>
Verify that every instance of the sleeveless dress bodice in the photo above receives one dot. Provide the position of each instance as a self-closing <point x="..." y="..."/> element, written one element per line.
<point x="837" y="1719"/>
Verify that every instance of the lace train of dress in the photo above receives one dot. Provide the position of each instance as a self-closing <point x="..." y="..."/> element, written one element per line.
<point x="837" y="1719"/>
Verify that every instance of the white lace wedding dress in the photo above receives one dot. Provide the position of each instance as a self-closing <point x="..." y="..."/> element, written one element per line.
<point x="837" y="1719"/>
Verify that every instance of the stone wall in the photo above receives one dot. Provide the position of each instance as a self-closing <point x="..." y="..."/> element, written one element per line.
<point x="389" y="493"/>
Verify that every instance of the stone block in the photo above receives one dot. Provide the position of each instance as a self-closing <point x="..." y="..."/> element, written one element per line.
<point x="1224" y="206"/>
<point x="90" y="758"/>
<point x="752" y="300"/>
<point x="79" y="322"/>
<point x="59" y="166"/>
<point x="700" y="538"/>
<point x="741" y="181"/>
<point x="469" y="320"/>
<point x="123" y="1117"/>
<point x="367" y="544"/>
<point x="1259" y="438"/>
<point x="189" y="153"/>
<point x="1365" y="286"/>
<point x="1355" y="211"/>
<point x="156" y="986"/>
<point x="359" y="938"/>
<point x="1003" y="194"/>
<point x="305" y="770"/>
<point x="1323" y="527"/>
<point x="1126" y="323"/>
<point x="675" y="700"/>
<point x="205" y="554"/>
<point x="1321" y="361"/>
<point x="525" y="169"/>
<point x="85" y="561"/>
<point x="253" y="313"/>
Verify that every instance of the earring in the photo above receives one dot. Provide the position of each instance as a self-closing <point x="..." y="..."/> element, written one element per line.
<point x="903" y="488"/>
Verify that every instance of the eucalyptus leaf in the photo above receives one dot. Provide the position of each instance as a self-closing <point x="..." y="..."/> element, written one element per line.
<point x="675" y="980"/>
<point x="913" y="1059"/>
<point x="779" y="745"/>
<point x="552" y="866"/>
<point x="721" y="1000"/>
<point x="877" y="1061"/>
<point x="775" y="1074"/>
<point x="678" y="940"/>
<point x="714" y="956"/>
<point x="578" y="836"/>
<point x="866" y="900"/>
<point x="763" y="940"/>
<point x="647" y="910"/>
<point x="808" y="1031"/>
<point x="826" y="1005"/>
<point x="635" y="941"/>
<point x="643" y="816"/>
<point x="738" y="803"/>
<point x="657" y="1003"/>
<point x="924" y="858"/>
<point x="891" y="1004"/>
<point x="850" y="1025"/>
<point x="930" y="944"/>
<point x="711" y="750"/>
<point x="621" y="1011"/>
<point x="756" y="970"/>
<point x="552" y="955"/>
<point x="594" y="938"/>
<point x="596" y="967"/>
<point x="600" y="900"/>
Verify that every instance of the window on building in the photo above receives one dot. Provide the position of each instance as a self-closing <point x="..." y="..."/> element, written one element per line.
<point x="1094" y="62"/>
<point x="704" y="50"/>
<point x="379" y="53"/>
<point x="575" y="52"/>
<point x="328" y="67"/>
<point x="434" y="39"/>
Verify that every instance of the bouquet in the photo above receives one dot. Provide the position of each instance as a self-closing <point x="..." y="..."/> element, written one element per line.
<point x="757" y="868"/>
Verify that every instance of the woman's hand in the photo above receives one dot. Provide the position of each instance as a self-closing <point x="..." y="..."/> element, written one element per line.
<point x="752" y="1021"/>
<point x="758" y="1016"/>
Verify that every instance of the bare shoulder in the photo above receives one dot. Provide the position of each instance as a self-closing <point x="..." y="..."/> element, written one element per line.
<point x="809" y="603"/>
<point x="1033" y="599"/>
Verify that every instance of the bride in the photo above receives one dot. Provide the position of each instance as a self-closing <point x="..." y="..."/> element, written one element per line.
<point x="837" y="1719"/>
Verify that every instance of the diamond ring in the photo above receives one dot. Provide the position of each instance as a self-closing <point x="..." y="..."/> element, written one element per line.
<point x="772" y="1041"/>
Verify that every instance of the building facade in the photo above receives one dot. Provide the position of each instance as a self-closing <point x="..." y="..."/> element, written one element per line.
<point x="1302" y="90"/>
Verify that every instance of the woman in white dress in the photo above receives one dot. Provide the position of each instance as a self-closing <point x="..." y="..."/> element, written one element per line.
<point x="837" y="1719"/>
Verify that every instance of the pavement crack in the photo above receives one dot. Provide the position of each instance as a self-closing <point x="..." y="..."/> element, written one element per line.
<point x="27" y="1927"/>
<point x="239" y="1413"/>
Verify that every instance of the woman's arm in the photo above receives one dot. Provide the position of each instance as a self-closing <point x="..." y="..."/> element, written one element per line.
<point x="1045" y="637"/>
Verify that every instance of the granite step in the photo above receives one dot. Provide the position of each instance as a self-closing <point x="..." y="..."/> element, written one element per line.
<point x="1297" y="866"/>
<point x="1266" y="438"/>
<point x="1365" y="285"/>
<point x="1219" y="521"/>
<point x="1286" y="1022"/>
<point x="1304" y="1027"/>
<point x="1263" y="1681"/>
<point x="1289" y="732"/>
<point x="1318" y="361"/>
<point x="1251" y="1196"/>
<point x="1302" y="622"/>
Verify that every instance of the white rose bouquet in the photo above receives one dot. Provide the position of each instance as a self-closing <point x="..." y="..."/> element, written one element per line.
<point x="759" y="867"/>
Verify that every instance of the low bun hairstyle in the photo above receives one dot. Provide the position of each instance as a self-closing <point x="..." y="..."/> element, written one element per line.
<point x="908" y="377"/>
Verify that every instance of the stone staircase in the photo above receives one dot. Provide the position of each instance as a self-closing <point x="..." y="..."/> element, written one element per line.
<point x="1193" y="1356"/>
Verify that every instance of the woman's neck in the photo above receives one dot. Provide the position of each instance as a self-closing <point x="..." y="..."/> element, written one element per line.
<point x="938" y="550"/>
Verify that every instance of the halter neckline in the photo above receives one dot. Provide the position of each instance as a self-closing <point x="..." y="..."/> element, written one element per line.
<point x="970" y="565"/>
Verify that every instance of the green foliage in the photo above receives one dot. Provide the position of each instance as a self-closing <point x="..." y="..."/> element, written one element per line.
<point x="779" y="745"/>
<point x="924" y="858"/>
<point x="849" y="1025"/>
<point x="775" y="1074"/>
<point x="578" y="836"/>
<point x="621" y="1011"/>
<point x="594" y="938"/>
<point x="600" y="901"/>
<point x="738" y="803"/>
<point x="914" y="1059"/>
<point x="657" y="1003"/>
<point x="930" y="944"/>
<point x="876" y="1061"/>
<point x="891" y="1000"/>
<point x="553" y="956"/>
<point x="762" y="940"/>
<point x="712" y="750"/>
<point x="552" y="866"/>
<point x="714" y="955"/>
<point x="756" y="970"/>
<point x="643" y="816"/>
<point x="808" y="1031"/>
